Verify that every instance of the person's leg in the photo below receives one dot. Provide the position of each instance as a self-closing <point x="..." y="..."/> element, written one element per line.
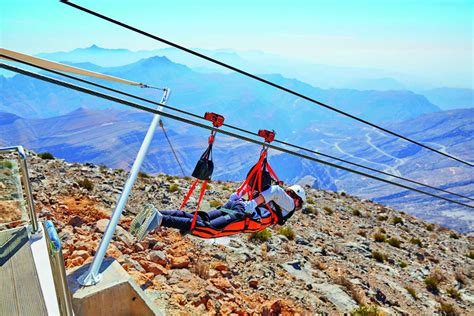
<point x="225" y="218"/>
<point x="179" y="219"/>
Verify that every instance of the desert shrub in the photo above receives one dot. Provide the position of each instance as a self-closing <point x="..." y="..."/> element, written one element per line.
<point x="287" y="232"/>
<point x="310" y="210"/>
<point x="355" y="293"/>
<point x="343" y="193"/>
<point x="431" y="284"/>
<point x="173" y="188"/>
<point x="328" y="210"/>
<point x="46" y="155"/>
<point x="382" y="218"/>
<point x="362" y="233"/>
<point x="356" y="212"/>
<point x="430" y="227"/>
<point x="86" y="184"/>
<point x="382" y="230"/>
<point x="394" y="242"/>
<point x="209" y="187"/>
<point x="215" y="203"/>
<point x="397" y="220"/>
<point x="365" y="310"/>
<point x="417" y="242"/>
<point x="403" y="264"/>
<point x="470" y="255"/>
<point x="120" y="170"/>
<point x="187" y="178"/>
<point x="446" y="309"/>
<point x="143" y="175"/>
<point x="261" y="236"/>
<point x="309" y="200"/>
<point x="7" y="164"/>
<point x="453" y="235"/>
<point x="378" y="237"/>
<point x="453" y="293"/>
<point x="412" y="292"/>
<point x="378" y="256"/>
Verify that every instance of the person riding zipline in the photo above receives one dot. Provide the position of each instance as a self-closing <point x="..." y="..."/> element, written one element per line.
<point x="267" y="204"/>
<point x="274" y="202"/>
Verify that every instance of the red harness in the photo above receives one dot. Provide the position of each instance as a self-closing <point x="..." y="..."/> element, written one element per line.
<point x="247" y="224"/>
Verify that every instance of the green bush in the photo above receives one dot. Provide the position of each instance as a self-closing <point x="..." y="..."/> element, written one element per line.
<point x="417" y="242"/>
<point x="366" y="311"/>
<point x="46" y="155"/>
<point x="311" y="209"/>
<point x="453" y="293"/>
<point x="397" y="220"/>
<point x="378" y="237"/>
<point x="394" y="242"/>
<point x="431" y="284"/>
<point x="356" y="213"/>
<point x="86" y="184"/>
<point x="7" y="164"/>
<point x="143" y="175"/>
<point x="412" y="292"/>
<point x="287" y="232"/>
<point x="310" y="200"/>
<point x="430" y="227"/>
<point x="173" y="188"/>
<point x="120" y="170"/>
<point x="261" y="236"/>
<point x="453" y="235"/>
<point x="470" y="255"/>
<point x="378" y="256"/>
<point x="328" y="210"/>
<point x="215" y="203"/>
<point x="403" y="264"/>
<point x="446" y="309"/>
<point x="382" y="218"/>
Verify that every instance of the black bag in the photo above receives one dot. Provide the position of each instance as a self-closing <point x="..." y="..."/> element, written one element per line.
<point x="205" y="166"/>
<point x="266" y="178"/>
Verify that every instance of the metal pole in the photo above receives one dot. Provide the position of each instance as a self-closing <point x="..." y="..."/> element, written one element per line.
<point x="29" y="191"/>
<point x="93" y="276"/>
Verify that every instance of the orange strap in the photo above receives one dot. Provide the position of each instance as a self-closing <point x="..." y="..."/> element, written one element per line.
<point x="201" y="195"/>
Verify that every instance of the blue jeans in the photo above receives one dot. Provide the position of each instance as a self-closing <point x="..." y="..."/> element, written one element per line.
<point x="215" y="218"/>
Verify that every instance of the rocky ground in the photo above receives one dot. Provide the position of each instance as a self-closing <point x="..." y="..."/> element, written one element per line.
<point x="339" y="254"/>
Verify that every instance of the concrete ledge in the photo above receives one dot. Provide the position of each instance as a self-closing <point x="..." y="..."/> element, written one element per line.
<point x="117" y="294"/>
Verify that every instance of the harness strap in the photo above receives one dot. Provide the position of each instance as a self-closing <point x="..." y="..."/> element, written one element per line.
<point x="189" y="194"/>
<point x="201" y="195"/>
<point x="272" y="173"/>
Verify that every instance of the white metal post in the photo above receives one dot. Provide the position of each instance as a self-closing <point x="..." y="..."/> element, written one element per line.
<point x="93" y="276"/>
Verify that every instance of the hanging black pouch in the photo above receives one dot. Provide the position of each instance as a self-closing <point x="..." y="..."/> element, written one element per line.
<point x="205" y="166"/>
<point x="266" y="178"/>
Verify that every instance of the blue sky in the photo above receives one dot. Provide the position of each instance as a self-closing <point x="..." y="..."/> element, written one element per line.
<point x="423" y="38"/>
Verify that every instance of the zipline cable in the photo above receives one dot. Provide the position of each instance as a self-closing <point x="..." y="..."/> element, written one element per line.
<point x="172" y="149"/>
<point x="265" y="81"/>
<point x="224" y="132"/>
<point x="237" y="128"/>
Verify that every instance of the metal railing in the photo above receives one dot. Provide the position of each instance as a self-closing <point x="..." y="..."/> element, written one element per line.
<point x="57" y="267"/>
<point x="24" y="178"/>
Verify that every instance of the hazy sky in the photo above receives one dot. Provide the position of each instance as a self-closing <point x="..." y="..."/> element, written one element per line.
<point x="428" y="39"/>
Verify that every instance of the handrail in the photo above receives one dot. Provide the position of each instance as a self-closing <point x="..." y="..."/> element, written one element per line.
<point x="57" y="268"/>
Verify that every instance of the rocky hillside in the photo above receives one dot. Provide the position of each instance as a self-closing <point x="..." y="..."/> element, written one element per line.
<point x="338" y="255"/>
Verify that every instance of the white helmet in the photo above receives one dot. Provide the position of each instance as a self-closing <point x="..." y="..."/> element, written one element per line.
<point x="299" y="191"/>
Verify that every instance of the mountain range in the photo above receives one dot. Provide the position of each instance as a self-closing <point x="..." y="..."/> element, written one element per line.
<point x="76" y="127"/>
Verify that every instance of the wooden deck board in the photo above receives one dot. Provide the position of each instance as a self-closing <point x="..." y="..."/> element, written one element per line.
<point x="20" y="290"/>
